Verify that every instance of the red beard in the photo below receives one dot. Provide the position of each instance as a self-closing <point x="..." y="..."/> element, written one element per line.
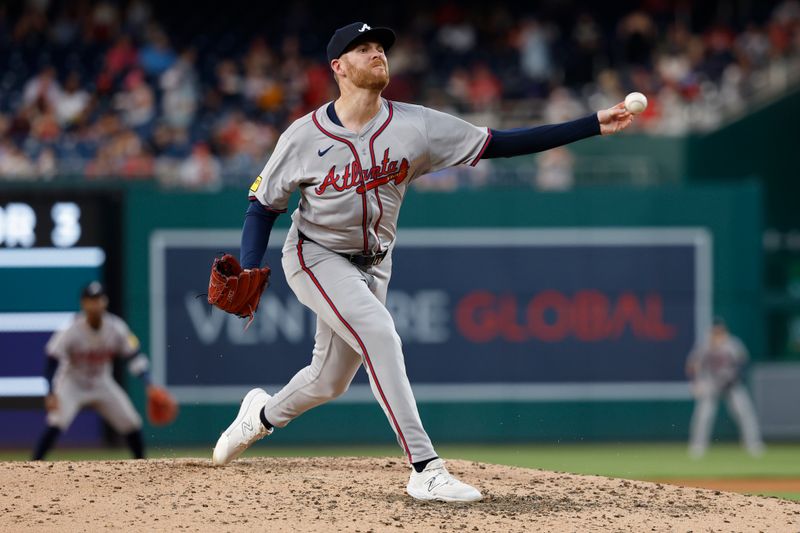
<point x="368" y="78"/>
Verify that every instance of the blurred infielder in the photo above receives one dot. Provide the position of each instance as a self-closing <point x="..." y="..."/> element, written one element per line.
<point x="353" y="160"/>
<point x="715" y="366"/>
<point x="79" y="373"/>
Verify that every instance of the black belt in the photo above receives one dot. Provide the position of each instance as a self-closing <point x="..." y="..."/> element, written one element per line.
<point x="363" y="260"/>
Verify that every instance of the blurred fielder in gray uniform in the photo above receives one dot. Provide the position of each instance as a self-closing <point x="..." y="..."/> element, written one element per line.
<point x="79" y="373"/>
<point x="352" y="161"/>
<point x="715" y="367"/>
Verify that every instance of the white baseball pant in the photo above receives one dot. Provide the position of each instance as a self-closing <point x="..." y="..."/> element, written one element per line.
<point x="739" y="406"/>
<point x="353" y="328"/>
<point x="105" y="396"/>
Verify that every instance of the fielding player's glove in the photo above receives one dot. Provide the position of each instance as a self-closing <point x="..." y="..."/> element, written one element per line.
<point x="162" y="408"/>
<point x="235" y="290"/>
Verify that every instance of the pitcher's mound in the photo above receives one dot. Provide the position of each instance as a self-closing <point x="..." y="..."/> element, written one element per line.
<point x="356" y="494"/>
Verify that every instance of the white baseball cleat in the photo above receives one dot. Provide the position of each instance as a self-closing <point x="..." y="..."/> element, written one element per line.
<point x="245" y="430"/>
<point x="436" y="483"/>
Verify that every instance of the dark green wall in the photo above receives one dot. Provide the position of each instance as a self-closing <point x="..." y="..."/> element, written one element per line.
<point x="765" y="143"/>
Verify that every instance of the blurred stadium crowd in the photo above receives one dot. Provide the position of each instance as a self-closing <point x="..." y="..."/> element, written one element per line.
<point x="123" y="89"/>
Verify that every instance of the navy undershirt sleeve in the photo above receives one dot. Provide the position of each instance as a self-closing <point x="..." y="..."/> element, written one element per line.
<point x="145" y="377"/>
<point x="521" y="141"/>
<point x="258" y="223"/>
<point x="49" y="371"/>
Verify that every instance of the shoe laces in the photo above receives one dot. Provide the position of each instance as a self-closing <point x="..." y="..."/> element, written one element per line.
<point x="439" y="476"/>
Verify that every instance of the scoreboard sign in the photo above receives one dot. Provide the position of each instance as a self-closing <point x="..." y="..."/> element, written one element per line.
<point x="51" y="221"/>
<point x="484" y="314"/>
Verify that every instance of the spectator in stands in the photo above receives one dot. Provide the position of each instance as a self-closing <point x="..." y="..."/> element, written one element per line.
<point x="584" y="53"/>
<point x="229" y="83"/>
<point x="670" y="112"/>
<point x="169" y="141"/>
<point x="561" y="106"/>
<point x="201" y="170"/>
<point x="156" y="55"/>
<point x="555" y="170"/>
<point x="44" y="129"/>
<point x="458" y="86"/>
<point x="319" y="86"/>
<point x="637" y="35"/>
<point x="42" y="91"/>
<point x="136" y="103"/>
<point x="485" y="89"/>
<point x="605" y="91"/>
<point x="72" y="103"/>
<point x="102" y="166"/>
<point x="132" y="160"/>
<point x="104" y="21"/>
<point x="180" y="93"/>
<point x="455" y="32"/>
<point x="14" y="164"/>
<point x="65" y="29"/>
<point x="719" y="51"/>
<point x="46" y="165"/>
<point x="118" y="57"/>
<point x="533" y="41"/>
<point x="137" y="17"/>
<point x="255" y="84"/>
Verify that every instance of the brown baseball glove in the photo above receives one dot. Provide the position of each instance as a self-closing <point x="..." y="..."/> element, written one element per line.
<point x="162" y="409"/>
<point x="235" y="290"/>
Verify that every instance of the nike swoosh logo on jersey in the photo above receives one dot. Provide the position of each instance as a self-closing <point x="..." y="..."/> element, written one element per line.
<point x="325" y="151"/>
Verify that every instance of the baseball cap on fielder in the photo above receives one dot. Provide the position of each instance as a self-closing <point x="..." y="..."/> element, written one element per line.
<point x="93" y="290"/>
<point x="357" y="32"/>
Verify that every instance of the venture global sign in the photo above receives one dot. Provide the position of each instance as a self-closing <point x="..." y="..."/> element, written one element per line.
<point x="496" y="306"/>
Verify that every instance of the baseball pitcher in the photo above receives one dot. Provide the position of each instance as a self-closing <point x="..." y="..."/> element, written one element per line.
<point x="353" y="160"/>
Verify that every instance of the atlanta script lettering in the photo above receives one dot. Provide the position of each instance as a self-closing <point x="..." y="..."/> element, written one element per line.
<point x="365" y="180"/>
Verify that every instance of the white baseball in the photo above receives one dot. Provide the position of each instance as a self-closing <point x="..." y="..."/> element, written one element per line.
<point x="636" y="103"/>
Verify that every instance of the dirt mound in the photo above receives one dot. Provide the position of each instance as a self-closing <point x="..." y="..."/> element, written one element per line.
<point x="357" y="495"/>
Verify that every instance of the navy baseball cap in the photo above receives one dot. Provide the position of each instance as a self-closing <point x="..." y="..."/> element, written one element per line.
<point x="93" y="290"/>
<point x="357" y="32"/>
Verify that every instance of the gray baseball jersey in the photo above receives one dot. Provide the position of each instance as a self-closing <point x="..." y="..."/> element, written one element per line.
<point x="353" y="183"/>
<point x="84" y="375"/>
<point x="719" y="362"/>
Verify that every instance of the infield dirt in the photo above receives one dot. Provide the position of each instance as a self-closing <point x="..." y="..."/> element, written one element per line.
<point x="357" y="495"/>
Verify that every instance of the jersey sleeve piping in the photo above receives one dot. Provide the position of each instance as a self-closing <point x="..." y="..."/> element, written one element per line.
<point x="254" y="198"/>
<point x="483" y="148"/>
